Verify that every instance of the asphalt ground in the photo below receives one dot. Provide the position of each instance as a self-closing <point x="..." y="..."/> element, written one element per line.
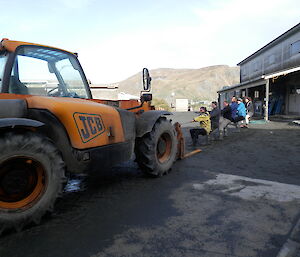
<point x="238" y="197"/>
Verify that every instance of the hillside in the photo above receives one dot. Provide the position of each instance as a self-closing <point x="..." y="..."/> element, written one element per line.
<point x="194" y="84"/>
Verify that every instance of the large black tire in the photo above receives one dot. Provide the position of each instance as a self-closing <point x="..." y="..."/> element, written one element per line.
<point x="31" y="178"/>
<point x="156" y="151"/>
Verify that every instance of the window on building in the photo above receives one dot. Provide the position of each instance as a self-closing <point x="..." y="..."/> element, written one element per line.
<point x="272" y="59"/>
<point x="256" y="66"/>
<point x="244" y="70"/>
<point x="253" y="68"/>
<point x="256" y="94"/>
<point x="295" y="90"/>
<point x="295" y="47"/>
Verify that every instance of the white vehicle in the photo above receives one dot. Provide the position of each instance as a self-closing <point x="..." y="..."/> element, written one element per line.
<point x="182" y="105"/>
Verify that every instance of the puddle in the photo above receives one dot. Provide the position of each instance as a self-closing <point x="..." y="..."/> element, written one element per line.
<point x="75" y="184"/>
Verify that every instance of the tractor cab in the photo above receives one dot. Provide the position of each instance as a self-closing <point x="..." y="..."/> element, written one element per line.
<point x="30" y="69"/>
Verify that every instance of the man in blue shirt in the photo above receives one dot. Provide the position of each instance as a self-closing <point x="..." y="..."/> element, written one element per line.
<point x="240" y="113"/>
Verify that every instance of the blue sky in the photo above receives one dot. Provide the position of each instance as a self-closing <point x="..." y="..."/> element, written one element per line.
<point x="116" y="39"/>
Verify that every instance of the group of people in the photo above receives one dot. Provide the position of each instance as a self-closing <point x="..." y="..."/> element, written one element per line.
<point x="215" y="122"/>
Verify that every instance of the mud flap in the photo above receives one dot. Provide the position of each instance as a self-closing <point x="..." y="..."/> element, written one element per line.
<point x="181" y="142"/>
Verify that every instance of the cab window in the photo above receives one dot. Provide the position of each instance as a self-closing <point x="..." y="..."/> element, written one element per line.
<point x="3" y="59"/>
<point x="47" y="72"/>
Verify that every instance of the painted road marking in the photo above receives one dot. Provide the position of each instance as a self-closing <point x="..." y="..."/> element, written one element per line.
<point x="251" y="189"/>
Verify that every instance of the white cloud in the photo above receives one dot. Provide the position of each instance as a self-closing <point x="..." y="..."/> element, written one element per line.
<point x="124" y="55"/>
<point x="224" y="34"/>
<point x="245" y="26"/>
<point x="76" y="4"/>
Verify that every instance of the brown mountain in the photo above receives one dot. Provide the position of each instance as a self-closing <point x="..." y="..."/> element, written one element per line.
<point x="194" y="84"/>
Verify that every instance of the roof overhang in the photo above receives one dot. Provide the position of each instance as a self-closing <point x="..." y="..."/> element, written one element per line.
<point x="280" y="73"/>
<point x="243" y="85"/>
<point x="260" y="81"/>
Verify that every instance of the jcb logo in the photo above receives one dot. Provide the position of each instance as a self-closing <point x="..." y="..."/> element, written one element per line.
<point x="89" y="125"/>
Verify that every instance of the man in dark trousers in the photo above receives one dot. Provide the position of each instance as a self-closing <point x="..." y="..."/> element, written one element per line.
<point x="215" y="118"/>
<point x="249" y="110"/>
<point x="225" y="119"/>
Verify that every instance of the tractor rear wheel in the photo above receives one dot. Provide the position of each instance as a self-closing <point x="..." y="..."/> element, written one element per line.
<point x="156" y="151"/>
<point x="31" y="178"/>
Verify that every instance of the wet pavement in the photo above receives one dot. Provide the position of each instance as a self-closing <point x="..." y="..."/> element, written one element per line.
<point x="238" y="197"/>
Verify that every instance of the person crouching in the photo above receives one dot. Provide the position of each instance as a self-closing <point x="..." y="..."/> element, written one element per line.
<point x="240" y="113"/>
<point x="225" y="119"/>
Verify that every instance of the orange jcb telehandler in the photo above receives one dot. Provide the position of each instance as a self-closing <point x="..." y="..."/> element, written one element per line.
<point x="49" y="125"/>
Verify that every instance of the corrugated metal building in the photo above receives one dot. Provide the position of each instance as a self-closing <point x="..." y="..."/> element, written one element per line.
<point x="271" y="77"/>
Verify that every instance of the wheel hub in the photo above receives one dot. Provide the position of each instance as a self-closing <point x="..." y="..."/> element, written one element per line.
<point x="161" y="146"/>
<point x="15" y="181"/>
<point x="21" y="182"/>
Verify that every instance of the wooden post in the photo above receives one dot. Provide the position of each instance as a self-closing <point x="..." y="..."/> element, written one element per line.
<point x="267" y="100"/>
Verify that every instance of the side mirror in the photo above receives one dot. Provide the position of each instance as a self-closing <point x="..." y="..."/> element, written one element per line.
<point x="146" y="80"/>
<point x="146" y="98"/>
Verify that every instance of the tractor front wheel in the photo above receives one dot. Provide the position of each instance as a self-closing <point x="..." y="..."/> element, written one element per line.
<point x="31" y="178"/>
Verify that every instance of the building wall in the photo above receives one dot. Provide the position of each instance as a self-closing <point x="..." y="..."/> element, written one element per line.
<point x="228" y="95"/>
<point x="279" y="56"/>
